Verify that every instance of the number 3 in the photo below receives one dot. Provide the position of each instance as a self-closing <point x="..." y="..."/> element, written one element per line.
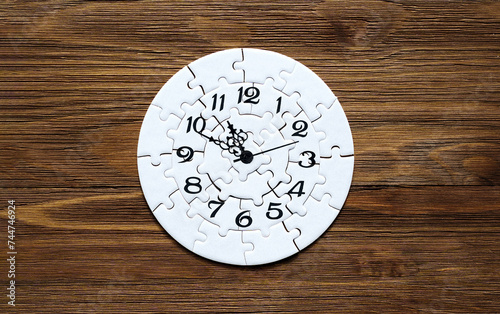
<point x="311" y="160"/>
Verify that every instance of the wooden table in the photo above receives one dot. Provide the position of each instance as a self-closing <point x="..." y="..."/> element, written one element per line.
<point x="419" y="82"/>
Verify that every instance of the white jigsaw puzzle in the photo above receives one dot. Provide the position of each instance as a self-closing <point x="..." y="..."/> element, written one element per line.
<point x="245" y="156"/>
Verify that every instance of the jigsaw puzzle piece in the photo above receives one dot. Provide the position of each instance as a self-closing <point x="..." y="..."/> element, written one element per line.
<point x="339" y="171"/>
<point x="156" y="187"/>
<point x="278" y="245"/>
<point x="312" y="89"/>
<point x="186" y="134"/>
<point x="191" y="184"/>
<point x="270" y="213"/>
<point x="177" y="223"/>
<point x="282" y="103"/>
<point x="220" y="101"/>
<point x="259" y="65"/>
<point x="244" y="169"/>
<point x="278" y="157"/>
<point x="214" y="164"/>
<point x="229" y="249"/>
<point x="254" y="187"/>
<point x="252" y="123"/>
<point x="209" y="69"/>
<point x="219" y="212"/>
<point x="334" y="122"/>
<point x="303" y="183"/>
<point x="153" y="140"/>
<point x="299" y="128"/>
<point x="314" y="223"/>
<point x="176" y="92"/>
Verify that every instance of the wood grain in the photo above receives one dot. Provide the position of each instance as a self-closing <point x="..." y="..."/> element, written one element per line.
<point x="419" y="82"/>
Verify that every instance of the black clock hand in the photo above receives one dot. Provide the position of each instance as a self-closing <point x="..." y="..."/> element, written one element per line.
<point x="234" y="142"/>
<point x="265" y="151"/>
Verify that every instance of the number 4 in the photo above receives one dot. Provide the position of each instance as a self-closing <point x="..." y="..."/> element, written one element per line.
<point x="300" y="187"/>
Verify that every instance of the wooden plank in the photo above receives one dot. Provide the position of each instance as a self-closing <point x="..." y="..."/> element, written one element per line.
<point x="419" y="82"/>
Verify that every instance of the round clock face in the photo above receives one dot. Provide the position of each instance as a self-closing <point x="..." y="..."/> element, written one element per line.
<point x="245" y="156"/>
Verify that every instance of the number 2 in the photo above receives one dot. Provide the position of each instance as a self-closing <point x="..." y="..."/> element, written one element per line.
<point x="300" y="126"/>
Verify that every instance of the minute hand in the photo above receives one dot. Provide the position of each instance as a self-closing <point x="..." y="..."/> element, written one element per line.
<point x="266" y="151"/>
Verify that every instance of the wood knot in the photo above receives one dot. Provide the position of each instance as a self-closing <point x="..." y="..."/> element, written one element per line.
<point x="360" y="24"/>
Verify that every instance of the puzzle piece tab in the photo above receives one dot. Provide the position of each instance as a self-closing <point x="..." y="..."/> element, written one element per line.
<point x="314" y="223"/>
<point x="175" y="93"/>
<point x="334" y="123"/>
<point x="153" y="140"/>
<point x="176" y="222"/>
<point x="339" y="171"/>
<point x="228" y="249"/>
<point x="209" y="69"/>
<point x="156" y="187"/>
<point x="313" y="91"/>
<point x="261" y="64"/>
<point x="278" y="245"/>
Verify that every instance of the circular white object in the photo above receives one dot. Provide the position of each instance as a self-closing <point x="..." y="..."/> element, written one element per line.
<point x="245" y="156"/>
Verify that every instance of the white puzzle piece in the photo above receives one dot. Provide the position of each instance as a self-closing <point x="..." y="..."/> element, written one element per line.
<point x="219" y="212"/>
<point x="153" y="139"/>
<point x="278" y="245"/>
<point x="313" y="91"/>
<point x="186" y="134"/>
<point x="254" y="187"/>
<point x="228" y="249"/>
<point x="261" y="64"/>
<point x="209" y="69"/>
<point x="313" y="224"/>
<point x="245" y="157"/>
<point x="275" y="102"/>
<point x="304" y="181"/>
<point x="300" y="129"/>
<point x="176" y="92"/>
<point x="339" y="171"/>
<point x="334" y="123"/>
<point x="278" y="157"/>
<point x="191" y="184"/>
<point x="221" y="101"/>
<point x="176" y="222"/>
<point x="273" y="211"/>
<point x="155" y="186"/>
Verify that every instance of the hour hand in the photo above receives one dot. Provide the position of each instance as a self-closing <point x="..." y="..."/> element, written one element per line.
<point x="212" y="139"/>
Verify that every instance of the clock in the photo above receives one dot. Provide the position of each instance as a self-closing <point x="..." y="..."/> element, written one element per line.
<point x="245" y="156"/>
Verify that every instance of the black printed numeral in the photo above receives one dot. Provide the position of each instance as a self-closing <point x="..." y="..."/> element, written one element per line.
<point x="274" y="212"/>
<point x="301" y="127"/>
<point x="198" y="124"/>
<point x="243" y="219"/>
<point x="278" y="107"/>
<point x="186" y="153"/>
<point x="214" y="104"/>
<point x="297" y="189"/>
<point x="193" y="185"/>
<point x="219" y="204"/>
<point x="251" y="93"/>
<point x="311" y="160"/>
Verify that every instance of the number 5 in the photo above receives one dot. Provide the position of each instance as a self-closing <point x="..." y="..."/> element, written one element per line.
<point x="279" y="212"/>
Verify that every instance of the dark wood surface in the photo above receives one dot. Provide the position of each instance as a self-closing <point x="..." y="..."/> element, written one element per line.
<point x="419" y="82"/>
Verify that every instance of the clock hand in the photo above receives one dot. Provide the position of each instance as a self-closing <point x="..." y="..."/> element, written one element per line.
<point x="234" y="142"/>
<point x="265" y="151"/>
